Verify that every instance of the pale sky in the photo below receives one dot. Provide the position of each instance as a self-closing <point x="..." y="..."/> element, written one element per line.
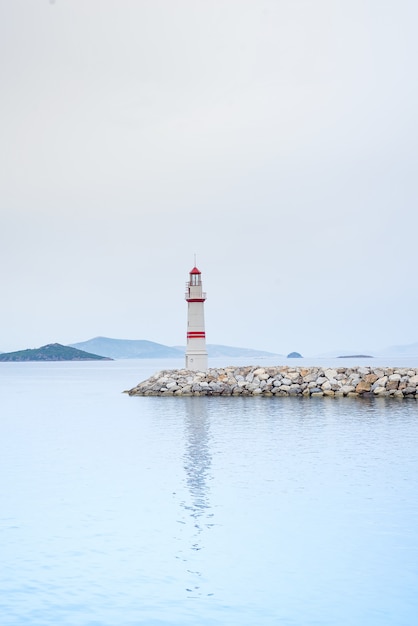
<point x="277" y="140"/>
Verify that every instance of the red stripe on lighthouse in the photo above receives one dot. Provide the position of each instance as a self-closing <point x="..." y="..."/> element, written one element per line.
<point x="196" y="335"/>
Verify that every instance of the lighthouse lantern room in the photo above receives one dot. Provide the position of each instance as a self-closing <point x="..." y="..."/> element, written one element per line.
<point x="196" y="353"/>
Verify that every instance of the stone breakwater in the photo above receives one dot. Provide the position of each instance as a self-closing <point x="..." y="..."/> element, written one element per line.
<point x="283" y="381"/>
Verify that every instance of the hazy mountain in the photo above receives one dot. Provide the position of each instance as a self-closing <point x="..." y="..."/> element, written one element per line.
<point x="215" y="350"/>
<point x="410" y="349"/>
<point x="407" y="350"/>
<point x="51" y="352"/>
<point x="334" y="354"/>
<point x="128" y="348"/>
<point x="143" y="349"/>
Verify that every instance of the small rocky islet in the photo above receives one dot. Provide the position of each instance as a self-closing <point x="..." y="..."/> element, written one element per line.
<point x="283" y="381"/>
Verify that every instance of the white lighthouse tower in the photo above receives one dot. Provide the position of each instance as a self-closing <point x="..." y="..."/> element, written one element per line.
<point x="196" y="354"/>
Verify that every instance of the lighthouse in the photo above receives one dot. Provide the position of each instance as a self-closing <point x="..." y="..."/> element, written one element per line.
<point x="196" y="354"/>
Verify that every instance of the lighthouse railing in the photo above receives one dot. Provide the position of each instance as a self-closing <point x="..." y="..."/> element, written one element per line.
<point x="187" y="295"/>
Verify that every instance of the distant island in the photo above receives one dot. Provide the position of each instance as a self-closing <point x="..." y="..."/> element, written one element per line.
<point x="52" y="352"/>
<point x="294" y="355"/>
<point x="355" y="356"/>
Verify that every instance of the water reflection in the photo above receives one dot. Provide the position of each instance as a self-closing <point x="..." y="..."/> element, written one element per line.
<point x="197" y="461"/>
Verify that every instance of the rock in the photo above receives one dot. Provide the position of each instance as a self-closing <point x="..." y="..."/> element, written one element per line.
<point x="309" y="378"/>
<point x="283" y="381"/>
<point x="330" y="373"/>
<point x="395" y="377"/>
<point x="379" y="373"/>
<point x="363" y="387"/>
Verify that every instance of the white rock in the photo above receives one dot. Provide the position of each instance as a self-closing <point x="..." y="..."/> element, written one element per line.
<point x="253" y="386"/>
<point x="330" y="373"/>
<point x="395" y="377"/>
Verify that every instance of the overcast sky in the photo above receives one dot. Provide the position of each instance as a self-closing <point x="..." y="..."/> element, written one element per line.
<point x="276" y="139"/>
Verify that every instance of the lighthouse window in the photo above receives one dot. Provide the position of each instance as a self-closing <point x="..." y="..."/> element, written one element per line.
<point x="194" y="279"/>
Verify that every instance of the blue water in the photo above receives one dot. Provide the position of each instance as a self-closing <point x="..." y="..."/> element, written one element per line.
<point x="120" y="511"/>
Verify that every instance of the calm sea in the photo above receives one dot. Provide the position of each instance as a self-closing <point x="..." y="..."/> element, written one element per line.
<point x="119" y="511"/>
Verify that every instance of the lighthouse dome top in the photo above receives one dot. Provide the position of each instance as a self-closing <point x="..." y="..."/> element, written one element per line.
<point x="195" y="271"/>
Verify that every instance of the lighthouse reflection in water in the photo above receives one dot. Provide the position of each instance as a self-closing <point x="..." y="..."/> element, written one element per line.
<point x="197" y="507"/>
